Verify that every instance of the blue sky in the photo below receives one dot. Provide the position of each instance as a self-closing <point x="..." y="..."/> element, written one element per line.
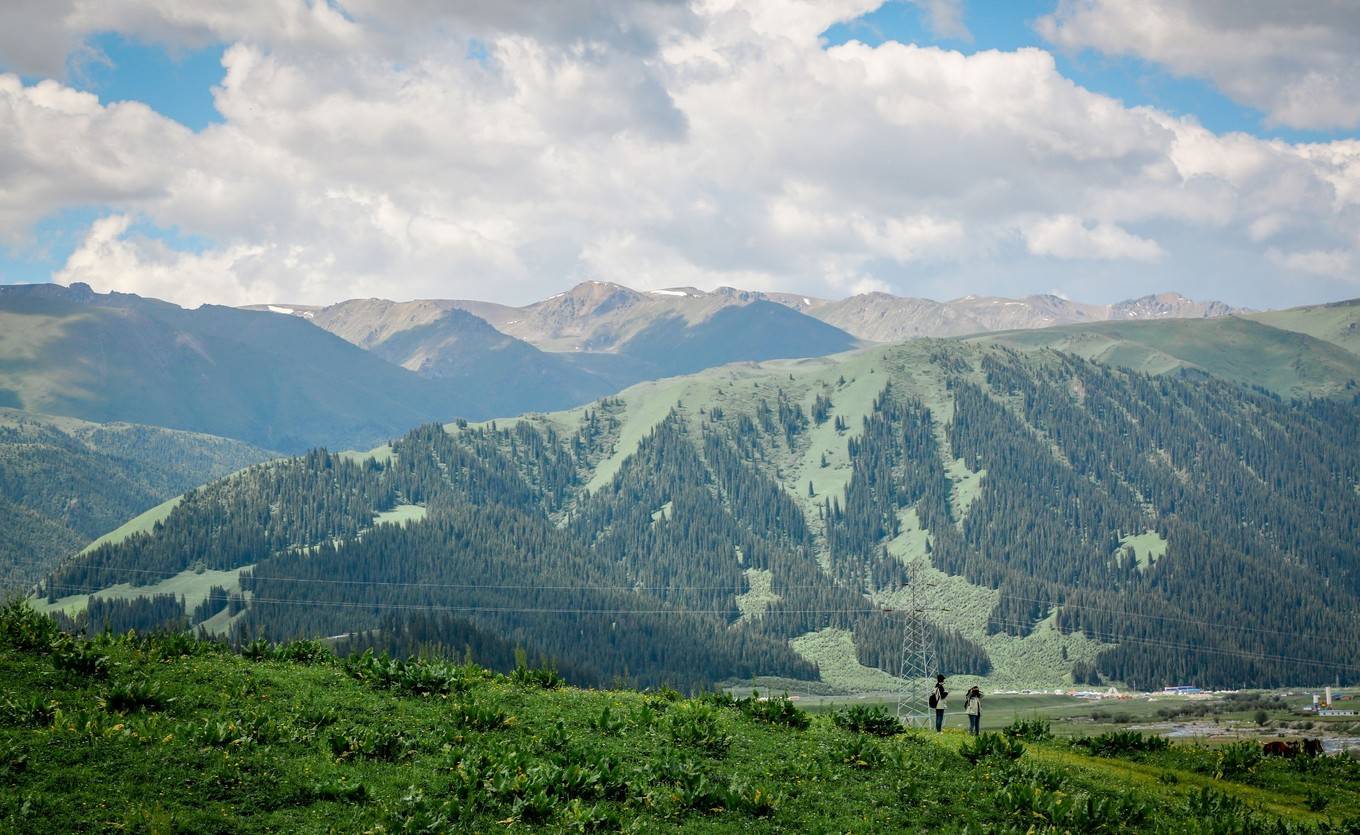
<point x="1007" y="25"/>
<point x="176" y="83"/>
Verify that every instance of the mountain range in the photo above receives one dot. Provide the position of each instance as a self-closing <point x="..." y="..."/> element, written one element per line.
<point x="349" y="375"/>
<point x="755" y="516"/>
<point x="602" y="318"/>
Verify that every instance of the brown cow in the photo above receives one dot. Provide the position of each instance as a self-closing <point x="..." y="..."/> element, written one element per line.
<point x="1280" y="748"/>
<point x="1312" y="747"/>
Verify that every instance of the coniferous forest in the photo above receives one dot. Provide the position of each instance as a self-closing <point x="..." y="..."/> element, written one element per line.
<point x="646" y="577"/>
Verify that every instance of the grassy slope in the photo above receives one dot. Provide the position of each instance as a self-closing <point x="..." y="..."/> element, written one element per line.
<point x="271" y="380"/>
<point x="1338" y="323"/>
<point x="141" y="523"/>
<point x="230" y="745"/>
<point x="192" y="586"/>
<point x="1286" y="362"/>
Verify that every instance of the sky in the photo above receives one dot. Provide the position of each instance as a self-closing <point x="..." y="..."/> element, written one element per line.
<point x="309" y="151"/>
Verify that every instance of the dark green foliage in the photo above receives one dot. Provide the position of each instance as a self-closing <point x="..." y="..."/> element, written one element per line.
<point x="1029" y="730"/>
<point x="858" y="751"/>
<point x="821" y="409"/>
<point x="860" y="719"/>
<point x="544" y="677"/>
<point x="607" y="723"/>
<point x="132" y="694"/>
<point x="303" y="652"/>
<point x="417" y="676"/>
<point x="1034" y="806"/>
<point x="1121" y="744"/>
<point x="79" y="657"/>
<point x="158" y="613"/>
<point x="1237" y="760"/>
<point x="696" y="725"/>
<point x="23" y="629"/>
<point x="369" y="743"/>
<point x="479" y="715"/>
<point x="774" y="710"/>
<point x="989" y="745"/>
<point x="27" y="710"/>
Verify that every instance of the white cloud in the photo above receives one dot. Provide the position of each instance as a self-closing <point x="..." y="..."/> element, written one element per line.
<point x="1336" y="263"/>
<point x="1066" y="236"/>
<point x="657" y="145"/>
<point x="1296" y="61"/>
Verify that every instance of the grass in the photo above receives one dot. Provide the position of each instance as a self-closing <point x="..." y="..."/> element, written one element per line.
<point x="381" y="454"/>
<point x="833" y="651"/>
<point x="191" y="585"/>
<point x="759" y="597"/>
<point x="402" y="514"/>
<point x="141" y="523"/>
<point x="1148" y="547"/>
<point x="1338" y="323"/>
<point x="1283" y="359"/>
<point x="175" y="735"/>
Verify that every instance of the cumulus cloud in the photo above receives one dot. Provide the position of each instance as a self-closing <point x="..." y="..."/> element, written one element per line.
<point x="1066" y="236"/>
<point x="421" y="149"/>
<point x="1298" y="62"/>
<point x="1336" y="263"/>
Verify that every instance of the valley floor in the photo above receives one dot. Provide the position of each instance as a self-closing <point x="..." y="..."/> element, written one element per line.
<point x="168" y="734"/>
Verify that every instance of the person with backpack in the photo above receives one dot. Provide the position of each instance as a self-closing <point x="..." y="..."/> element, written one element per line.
<point x="972" y="705"/>
<point x="937" y="697"/>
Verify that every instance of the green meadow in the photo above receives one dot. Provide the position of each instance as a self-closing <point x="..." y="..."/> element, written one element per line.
<point x="169" y="734"/>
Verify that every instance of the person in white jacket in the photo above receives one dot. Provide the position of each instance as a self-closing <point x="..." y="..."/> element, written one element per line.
<point x="937" y="697"/>
<point x="972" y="705"/>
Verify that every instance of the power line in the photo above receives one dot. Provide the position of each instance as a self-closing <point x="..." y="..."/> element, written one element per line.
<point x="1116" y="638"/>
<point x="736" y="590"/>
<point x="1103" y="636"/>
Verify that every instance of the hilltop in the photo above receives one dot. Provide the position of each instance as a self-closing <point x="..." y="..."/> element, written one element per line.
<point x="1260" y="352"/>
<point x="882" y="317"/>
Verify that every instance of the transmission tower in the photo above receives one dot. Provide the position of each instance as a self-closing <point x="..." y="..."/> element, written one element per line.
<point x="918" y="664"/>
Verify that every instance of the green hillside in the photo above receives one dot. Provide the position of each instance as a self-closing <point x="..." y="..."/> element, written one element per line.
<point x="1075" y="523"/>
<point x="1246" y="351"/>
<point x="167" y="734"/>
<point x="64" y="482"/>
<point x="274" y="381"/>
<point x="1338" y="323"/>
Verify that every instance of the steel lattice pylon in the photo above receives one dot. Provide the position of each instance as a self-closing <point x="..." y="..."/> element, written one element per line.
<point x="918" y="664"/>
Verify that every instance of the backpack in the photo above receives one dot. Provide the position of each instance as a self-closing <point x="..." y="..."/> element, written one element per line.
<point x="932" y="699"/>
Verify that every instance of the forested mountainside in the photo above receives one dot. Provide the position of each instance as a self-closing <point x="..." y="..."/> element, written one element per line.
<point x="1072" y="521"/>
<point x="64" y="482"/>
